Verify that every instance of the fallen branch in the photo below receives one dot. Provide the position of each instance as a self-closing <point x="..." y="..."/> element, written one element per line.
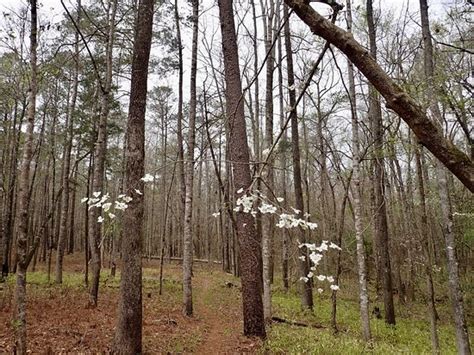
<point x="299" y="324"/>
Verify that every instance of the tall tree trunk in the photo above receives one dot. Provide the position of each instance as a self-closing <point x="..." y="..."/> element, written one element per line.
<point x="462" y="333"/>
<point x="268" y="224"/>
<point x="188" y="206"/>
<point x="24" y="183"/>
<point x="285" y="234"/>
<point x="128" y="334"/>
<point x="356" y="177"/>
<point x="99" y="160"/>
<point x="179" y="128"/>
<point x="249" y="244"/>
<point x="64" y="213"/>
<point x="306" y="291"/>
<point x="380" y="220"/>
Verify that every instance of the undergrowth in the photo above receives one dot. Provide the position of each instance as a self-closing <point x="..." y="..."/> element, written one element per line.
<point x="411" y="335"/>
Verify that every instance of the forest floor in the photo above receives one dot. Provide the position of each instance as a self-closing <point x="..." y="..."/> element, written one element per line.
<point x="60" y="322"/>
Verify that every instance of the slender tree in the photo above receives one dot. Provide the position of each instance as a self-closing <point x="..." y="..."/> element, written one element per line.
<point x="380" y="211"/>
<point x="303" y="263"/>
<point x="356" y="177"/>
<point x="99" y="157"/>
<point x="268" y="233"/>
<point x="23" y="194"/>
<point x="188" y="206"/>
<point x="68" y="139"/>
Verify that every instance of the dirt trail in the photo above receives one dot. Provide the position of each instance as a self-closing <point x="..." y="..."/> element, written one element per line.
<point x="219" y="307"/>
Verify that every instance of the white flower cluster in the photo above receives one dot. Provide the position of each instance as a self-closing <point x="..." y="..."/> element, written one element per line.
<point x="98" y="201"/>
<point x="148" y="178"/>
<point x="290" y="221"/>
<point x="315" y="256"/>
<point x="245" y="203"/>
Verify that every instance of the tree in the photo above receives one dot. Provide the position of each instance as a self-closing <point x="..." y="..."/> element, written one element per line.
<point x="99" y="156"/>
<point x="128" y="335"/>
<point x="63" y="229"/>
<point x="356" y="177"/>
<point x="303" y="263"/>
<point x="380" y="211"/>
<point x="23" y="253"/>
<point x="249" y="244"/>
<point x="188" y="206"/>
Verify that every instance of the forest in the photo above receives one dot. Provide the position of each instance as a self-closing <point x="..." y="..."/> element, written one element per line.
<point x="213" y="177"/>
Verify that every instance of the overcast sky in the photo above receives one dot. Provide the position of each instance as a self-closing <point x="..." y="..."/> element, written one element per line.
<point x="52" y="11"/>
<point x="436" y="6"/>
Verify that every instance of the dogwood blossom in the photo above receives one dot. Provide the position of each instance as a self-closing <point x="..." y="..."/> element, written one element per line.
<point x="120" y="205"/>
<point x="148" y="178"/>
<point x="267" y="208"/>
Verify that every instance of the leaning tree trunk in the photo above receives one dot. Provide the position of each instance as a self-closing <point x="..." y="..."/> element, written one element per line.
<point x="188" y="205"/>
<point x="249" y="245"/>
<point x="359" y="228"/>
<point x="397" y="99"/>
<point x="24" y="183"/>
<point x="306" y="291"/>
<point x="128" y="334"/>
<point x="462" y="333"/>
<point x="380" y="211"/>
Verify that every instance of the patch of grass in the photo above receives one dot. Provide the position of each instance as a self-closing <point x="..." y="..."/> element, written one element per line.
<point x="409" y="336"/>
<point x="185" y="344"/>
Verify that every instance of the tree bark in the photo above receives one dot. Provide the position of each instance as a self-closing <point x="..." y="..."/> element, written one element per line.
<point x="425" y="245"/>
<point x="249" y="244"/>
<point x="380" y="211"/>
<point x="397" y="99"/>
<point x="269" y="222"/>
<point x="99" y="160"/>
<point x="64" y="213"/>
<point x="23" y="194"/>
<point x="128" y="335"/>
<point x="303" y="265"/>
<point x="189" y="166"/>
<point x="356" y="176"/>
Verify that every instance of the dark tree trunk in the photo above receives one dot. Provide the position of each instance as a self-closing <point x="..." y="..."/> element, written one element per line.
<point x="249" y="245"/>
<point x="128" y="335"/>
